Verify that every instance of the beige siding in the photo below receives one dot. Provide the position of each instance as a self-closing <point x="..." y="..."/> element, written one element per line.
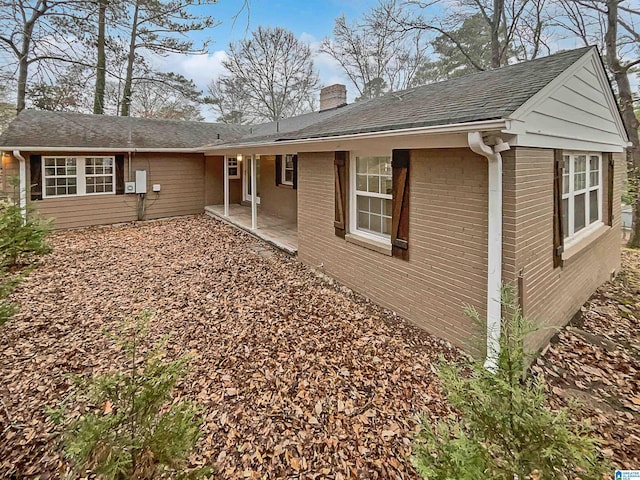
<point x="448" y="238"/>
<point x="181" y="177"/>
<point x="280" y="200"/>
<point x="577" y="109"/>
<point x="214" y="183"/>
<point x="552" y="296"/>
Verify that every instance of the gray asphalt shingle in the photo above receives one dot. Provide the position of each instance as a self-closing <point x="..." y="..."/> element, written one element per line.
<point x="487" y="95"/>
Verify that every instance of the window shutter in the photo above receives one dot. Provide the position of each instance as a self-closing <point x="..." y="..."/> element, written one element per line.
<point x="400" y="204"/>
<point x="610" y="184"/>
<point x="35" y="167"/>
<point x="278" y="170"/>
<point x="558" y="234"/>
<point x="340" y="183"/>
<point x="295" y="172"/>
<point x="119" y="174"/>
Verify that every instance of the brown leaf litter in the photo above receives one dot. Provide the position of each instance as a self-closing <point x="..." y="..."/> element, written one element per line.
<point x="298" y="378"/>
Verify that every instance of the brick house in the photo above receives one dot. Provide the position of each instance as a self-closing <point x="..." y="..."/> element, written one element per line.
<point x="423" y="200"/>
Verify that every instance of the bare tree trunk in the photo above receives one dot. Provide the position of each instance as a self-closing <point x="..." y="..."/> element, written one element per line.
<point x="23" y="67"/>
<point x="496" y="22"/>
<point x="126" y="94"/>
<point x="621" y="76"/>
<point x="101" y="66"/>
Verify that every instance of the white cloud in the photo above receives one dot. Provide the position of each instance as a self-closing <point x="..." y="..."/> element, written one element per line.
<point x="200" y="68"/>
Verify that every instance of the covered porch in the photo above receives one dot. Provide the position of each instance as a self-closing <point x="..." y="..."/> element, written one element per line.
<point x="277" y="231"/>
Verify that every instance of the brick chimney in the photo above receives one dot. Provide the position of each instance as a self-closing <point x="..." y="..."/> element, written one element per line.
<point x="333" y="96"/>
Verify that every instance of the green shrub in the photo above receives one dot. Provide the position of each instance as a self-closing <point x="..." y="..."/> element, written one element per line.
<point x="134" y="430"/>
<point x="7" y="285"/>
<point x="503" y="429"/>
<point x="21" y="239"/>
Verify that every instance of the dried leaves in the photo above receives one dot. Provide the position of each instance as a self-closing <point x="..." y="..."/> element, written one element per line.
<point x="297" y="378"/>
<point x="597" y="362"/>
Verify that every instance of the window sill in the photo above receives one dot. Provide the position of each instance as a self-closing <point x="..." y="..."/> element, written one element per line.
<point x="286" y="185"/>
<point x="584" y="239"/>
<point x="376" y="246"/>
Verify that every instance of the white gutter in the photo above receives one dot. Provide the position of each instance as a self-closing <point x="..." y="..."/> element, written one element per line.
<point x="494" y="241"/>
<point x="106" y="150"/>
<point x="494" y="125"/>
<point x="23" y="183"/>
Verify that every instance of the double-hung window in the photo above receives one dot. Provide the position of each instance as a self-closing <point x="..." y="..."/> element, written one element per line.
<point x="233" y="167"/>
<point x="581" y="193"/>
<point x="287" y="169"/>
<point x="71" y="176"/>
<point x="371" y="187"/>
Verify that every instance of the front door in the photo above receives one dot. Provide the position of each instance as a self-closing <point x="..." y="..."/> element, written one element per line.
<point x="247" y="194"/>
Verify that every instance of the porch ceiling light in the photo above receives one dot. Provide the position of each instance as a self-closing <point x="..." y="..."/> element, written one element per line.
<point x="239" y="157"/>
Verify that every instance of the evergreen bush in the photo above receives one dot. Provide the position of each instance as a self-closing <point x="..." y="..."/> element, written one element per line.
<point x="503" y="429"/>
<point x="134" y="429"/>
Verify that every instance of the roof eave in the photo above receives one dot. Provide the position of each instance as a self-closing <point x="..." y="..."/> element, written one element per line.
<point x="483" y="125"/>
<point x="28" y="148"/>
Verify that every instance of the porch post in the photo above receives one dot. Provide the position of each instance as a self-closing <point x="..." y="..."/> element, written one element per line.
<point x="254" y="194"/>
<point x="226" y="186"/>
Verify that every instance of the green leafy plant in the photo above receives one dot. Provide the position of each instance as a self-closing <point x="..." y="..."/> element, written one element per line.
<point x="22" y="238"/>
<point x="133" y="429"/>
<point x="7" y="284"/>
<point x="503" y="429"/>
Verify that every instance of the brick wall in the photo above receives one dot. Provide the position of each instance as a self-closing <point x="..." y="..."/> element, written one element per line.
<point x="448" y="241"/>
<point x="552" y="296"/>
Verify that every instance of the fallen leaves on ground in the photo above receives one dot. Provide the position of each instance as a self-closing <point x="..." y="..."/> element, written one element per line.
<point x="297" y="377"/>
<point x="596" y="361"/>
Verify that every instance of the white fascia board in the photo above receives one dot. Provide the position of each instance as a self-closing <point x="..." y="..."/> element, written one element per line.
<point x="589" y="57"/>
<point x="102" y="150"/>
<point x="485" y="125"/>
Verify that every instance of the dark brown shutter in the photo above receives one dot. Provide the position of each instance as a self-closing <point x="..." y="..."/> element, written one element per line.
<point x="278" y="170"/>
<point x="35" y="167"/>
<point x="295" y="171"/>
<point x="340" y="182"/>
<point x="558" y="234"/>
<point x="400" y="204"/>
<point x="610" y="185"/>
<point x="119" y="174"/>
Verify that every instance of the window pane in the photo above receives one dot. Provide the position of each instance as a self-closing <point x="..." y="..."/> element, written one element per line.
<point x="579" y="209"/>
<point x="363" y="203"/>
<point x="361" y="183"/>
<point x="593" y="206"/>
<point x="374" y="166"/>
<point x="386" y="210"/>
<point x="386" y="226"/>
<point x="361" y="165"/>
<point x="375" y="223"/>
<point x="376" y="205"/>
<point x="565" y="217"/>
<point x="373" y="184"/>
<point x="289" y="161"/>
<point x="566" y="173"/>
<point x="387" y="185"/>
<point x="288" y="176"/>
<point x="363" y="220"/>
<point x="51" y="191"/>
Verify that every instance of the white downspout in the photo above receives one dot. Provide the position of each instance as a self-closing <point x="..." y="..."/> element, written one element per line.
<point x="23" y="183"/>
<point x="494" y="253"/>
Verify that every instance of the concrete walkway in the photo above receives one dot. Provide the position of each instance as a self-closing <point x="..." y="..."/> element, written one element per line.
<point x="277" y="231"/>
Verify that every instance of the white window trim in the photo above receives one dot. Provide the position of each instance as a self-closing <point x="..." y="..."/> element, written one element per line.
<point x="283" y="170"/>
<point x="80" y="176"/>
<point x="353" y="209"/>
<point x="572" y="237"/>
<point x="237" y="166"/>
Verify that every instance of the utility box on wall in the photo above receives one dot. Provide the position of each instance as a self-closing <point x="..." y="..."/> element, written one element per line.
<point x="141" y="181"/>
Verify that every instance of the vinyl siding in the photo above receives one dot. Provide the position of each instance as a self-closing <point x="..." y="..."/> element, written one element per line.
<point x="181" y="178"/>
<point x="447" y="233"/>
<point x="577" y="109"/>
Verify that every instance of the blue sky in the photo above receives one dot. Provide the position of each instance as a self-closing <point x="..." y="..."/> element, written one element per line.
<point x="309" y="20"/>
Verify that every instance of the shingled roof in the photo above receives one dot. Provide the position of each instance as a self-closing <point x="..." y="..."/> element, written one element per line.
<point x="36" y="128"/>
<point x="488" y="95"/>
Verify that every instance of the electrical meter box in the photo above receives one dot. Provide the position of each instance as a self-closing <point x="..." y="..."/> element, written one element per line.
<point x="129" y="187"/>
<point x="141" y="181"/>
